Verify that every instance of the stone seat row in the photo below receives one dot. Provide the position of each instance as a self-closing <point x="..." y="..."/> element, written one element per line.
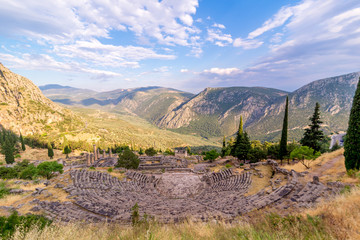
<point x="236" y="182"/>
<point x="215" y="177"/>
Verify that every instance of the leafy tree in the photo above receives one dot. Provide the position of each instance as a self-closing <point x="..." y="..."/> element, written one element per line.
<point x="67" y="151"/>
<point x="305" y="155"/>
<point x="256" y="154"/>
<point x="128" y="159"/>
<point x="22" y="142"/>
<point x="169" y="152"/>
<point x="211" y="155"/>
<point x="48" y="169"/>
<point x="283" y="152"/>
<point x="352" y="140"/>
<point x="150" y="151"/>
<point x="141" y="151"/>
<point x="50" y="151"/>
<point x="313" y="135"/>
<point x="273" y="151"/>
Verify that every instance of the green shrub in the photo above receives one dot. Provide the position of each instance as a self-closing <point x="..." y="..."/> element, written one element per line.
<point x="3" y="191"/>
<point x="228" y="165"/>
<point x="48" y="169"/>
<point x="8" y="225"/>
<point x="8" y="173"/>
<point x="17" y="155"/>
<point x="150" y="151"/>
<point x="346" y="189"/>
<point x="30" y="172"/>
<point x="110" y="170"/>
<point x="256" y="154"/>
<point x="211" y="155"/>
<point x="128" y="159"/>
<point x="92" y="168"/>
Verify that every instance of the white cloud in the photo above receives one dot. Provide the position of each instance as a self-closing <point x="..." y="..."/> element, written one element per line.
<point x="184" y="70"/>
<point x="46" y="62"/>
<point x="108" y="55"/>
<point x="247" y="43"/>
<point x="317" y="39"/>
<point x="219" y="38"/>
<point x="276" y="21"/>
<point x="218" y="25"/>
<point x="222" y="71"/>
<point x="168" y="22"/>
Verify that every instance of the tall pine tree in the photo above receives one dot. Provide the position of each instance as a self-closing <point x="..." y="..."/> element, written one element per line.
<point x="22" y="142"/>
<point x="352" y="140"/>
<point x="283" y="142"/>
<point x="313" y="135"/>
<point x="242" y="144"/>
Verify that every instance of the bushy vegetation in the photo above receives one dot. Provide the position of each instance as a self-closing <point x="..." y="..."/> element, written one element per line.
<point x="3" y="190"/>
<point x="150" y="151"/>
<point x="25" y="170"/>
<point x="128" y="159"/>
<point x="49" y="169"/>
<point x="21" y="224"/>
<point x="305" y="155"/>
<point x="211" y="155"/>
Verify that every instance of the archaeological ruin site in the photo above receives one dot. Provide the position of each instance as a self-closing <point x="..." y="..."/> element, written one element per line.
<point x="172" y="189"/>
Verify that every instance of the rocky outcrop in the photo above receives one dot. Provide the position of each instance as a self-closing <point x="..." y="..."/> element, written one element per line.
<point x="24" y="107"/>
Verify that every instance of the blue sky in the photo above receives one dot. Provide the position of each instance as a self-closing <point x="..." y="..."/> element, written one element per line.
<point x="187" y="44"/>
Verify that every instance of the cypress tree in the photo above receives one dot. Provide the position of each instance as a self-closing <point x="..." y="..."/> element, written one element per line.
<point x="50" y="151"/>
<point x="352" y="140"/>
<point x="313" y="135"/>
<point x="223" y="150"/>
<point x="239" y="135"/>
<point x="22" y="142"/>
<point x="243" y="147"/>
<point x="8" y="149"/>
<point x="283" y="142"/>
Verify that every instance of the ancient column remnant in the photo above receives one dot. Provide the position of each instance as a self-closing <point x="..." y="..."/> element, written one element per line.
<point x="92" y="159"/>
<point x="88" y="159"/>
<point x="98" y="154"/>
<point x="110" y="153"/>
<point x="95" y="155"/>
<point x="104" y="153"/>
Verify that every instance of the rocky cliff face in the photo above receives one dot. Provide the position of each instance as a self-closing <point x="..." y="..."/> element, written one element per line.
<point x="24" y="108"/>
<point x="263" y="108"/>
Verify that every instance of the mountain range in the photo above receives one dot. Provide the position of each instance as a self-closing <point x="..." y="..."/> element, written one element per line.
<point x="25" y="109"/>
<point x="215" y="112"/>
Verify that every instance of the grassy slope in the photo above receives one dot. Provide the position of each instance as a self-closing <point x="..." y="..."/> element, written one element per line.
<point x="128" y="129"/>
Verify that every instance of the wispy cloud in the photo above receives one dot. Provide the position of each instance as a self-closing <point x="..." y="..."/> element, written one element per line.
<point x="218" y="37"/>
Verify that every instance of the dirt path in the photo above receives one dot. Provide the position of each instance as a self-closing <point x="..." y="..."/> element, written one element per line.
<point x="324" y="167"/>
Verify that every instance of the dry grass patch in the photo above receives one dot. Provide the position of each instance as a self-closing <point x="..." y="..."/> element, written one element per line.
<point x="317" y="163"/>
<point x="341" y="214"/>
<point x="118" y="174"/>
<point x="13" y="199"/>
<point x="258" y="183"/>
